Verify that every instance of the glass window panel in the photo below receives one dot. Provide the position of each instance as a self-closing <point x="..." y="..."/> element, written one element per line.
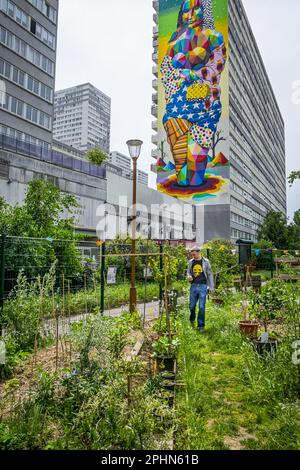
<point x="13" y="105"/>
<point x="47" y="121"/>
<point x="44" y="63"/>
<point x="3" y="4"/>
<point x="19" y="15"/>
<point x="30" y="54"/>
<point x="7" y="70"/>
<point x="43" y="90"/>
<point x="34" y="115"/>
<point x="30" y="83"/>
<point x="23" y="49"/>
<point x="15" y="75"/>
<point x="20" y="108"/>
<point x="10" y="9"/>
<point x="9" y="39"/>
<point x="3" y="36"/>
<point x="21" y="78"/>
<point x="36" y="87"/>
<point x="38" y="31"/>
<point x="28" y="112"/>
<point x="45" y="36"/>
<point x="17" y="45"/>
<point x="42" y="119"/>
<point x="25" y="20"/>
<point x="49" y="94"/>
<point x="37" y="58"/>
<point x="1" y="66"/>
<point x="4" y="101"/>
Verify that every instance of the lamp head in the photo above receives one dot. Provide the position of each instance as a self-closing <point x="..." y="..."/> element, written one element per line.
<point x="134" y="147"/>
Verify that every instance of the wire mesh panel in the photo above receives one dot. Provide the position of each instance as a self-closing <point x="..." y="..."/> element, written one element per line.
<point x="75" y="262"/>
<point x="83" y="277"/>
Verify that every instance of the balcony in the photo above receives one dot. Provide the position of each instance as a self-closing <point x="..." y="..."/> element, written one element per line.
<point x="154" y="111"/>
<point x="154" y="98"/>
<point x="51" y="156"/>
<point x="155" y="84"/>
<point x="155" y="57"/>
<point x="155" y="71"/>
<point x="154" y="125"/>
<point x="154" y="139"/>
<point x="155" y="5"/>
<point x="154" y="153"/>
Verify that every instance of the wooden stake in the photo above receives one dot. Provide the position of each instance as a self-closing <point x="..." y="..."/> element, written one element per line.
<point x="55" y="316"/>
<point x="69" y="312"/>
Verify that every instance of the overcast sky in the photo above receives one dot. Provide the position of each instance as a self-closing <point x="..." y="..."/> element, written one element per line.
<point x="109" y="43"/>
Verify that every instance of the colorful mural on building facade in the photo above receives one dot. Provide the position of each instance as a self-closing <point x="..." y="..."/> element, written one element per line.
<point x="193" y="95"/>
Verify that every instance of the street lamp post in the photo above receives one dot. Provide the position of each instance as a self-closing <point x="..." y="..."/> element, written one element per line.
<point x="134" y="147"/>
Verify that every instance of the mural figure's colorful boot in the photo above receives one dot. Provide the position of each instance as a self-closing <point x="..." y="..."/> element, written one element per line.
<point x="182" y="177"/>
<point x="196" y="165"/>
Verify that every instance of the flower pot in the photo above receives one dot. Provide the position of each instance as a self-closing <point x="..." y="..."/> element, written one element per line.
<point x="265" y="348"/>
<point x="249" y="328"/>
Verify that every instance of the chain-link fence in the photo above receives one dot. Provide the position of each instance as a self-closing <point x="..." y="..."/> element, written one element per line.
<point x="90" y="275"/>
<point x="87" y="275"/>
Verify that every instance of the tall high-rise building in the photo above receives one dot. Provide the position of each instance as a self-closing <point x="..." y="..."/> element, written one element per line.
<point x="257" y="132"/>
<point x="82" y="117"/>
<point x="28" y="33"/>
<point x="123" y="163"/>
<point x="256" y="129"/>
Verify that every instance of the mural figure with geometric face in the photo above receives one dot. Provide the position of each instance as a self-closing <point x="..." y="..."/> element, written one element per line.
<point x="191" y="73"/>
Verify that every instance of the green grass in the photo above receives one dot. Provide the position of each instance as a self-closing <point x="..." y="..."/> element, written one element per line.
<point x="232" y="398"/>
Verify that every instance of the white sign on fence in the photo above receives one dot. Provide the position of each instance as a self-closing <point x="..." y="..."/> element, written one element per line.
<point x="112" y="275"/>
<point x="148" y="273"/>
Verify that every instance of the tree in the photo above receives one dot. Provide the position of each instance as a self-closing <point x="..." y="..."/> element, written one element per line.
<point x="294" y="232"/>
<point x="297" y="218"/>
<point x="96" y="156"/>
<point x="44" y="206"/>
<point x="275" y="229"/>
<point x="217" y="138"/>
<point x="295" y="175"/>
<point x="41" y="216"/>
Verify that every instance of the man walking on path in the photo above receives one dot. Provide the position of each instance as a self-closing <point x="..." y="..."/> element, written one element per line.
<point x="201" y="277"/>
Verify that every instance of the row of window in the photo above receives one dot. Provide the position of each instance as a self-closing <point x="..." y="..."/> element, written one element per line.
<point x="272" y="127"/>
<point x="27" y="52"/>
<point x="238" y="219"/>
<point x="22" y="136"/>
<point x="18" y="15"/>
<point x="26" y="111"/>
<point x="259" y="176"/>
<point x="45" y="8"/>
<point x="238" y="175"/>
<point x="25" y="81"/>
<point x="243" y="207"/>
<point x="238" y="234"/>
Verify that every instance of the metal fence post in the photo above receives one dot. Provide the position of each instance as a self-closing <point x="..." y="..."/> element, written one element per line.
<point x="2" y="276"/>
<point x="272" y="264"/>
<point x="102" y="288"/>
<point x="161" y="250"/>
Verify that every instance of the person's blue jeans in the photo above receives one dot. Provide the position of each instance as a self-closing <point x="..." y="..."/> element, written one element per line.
<point x="198" y="294"/>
